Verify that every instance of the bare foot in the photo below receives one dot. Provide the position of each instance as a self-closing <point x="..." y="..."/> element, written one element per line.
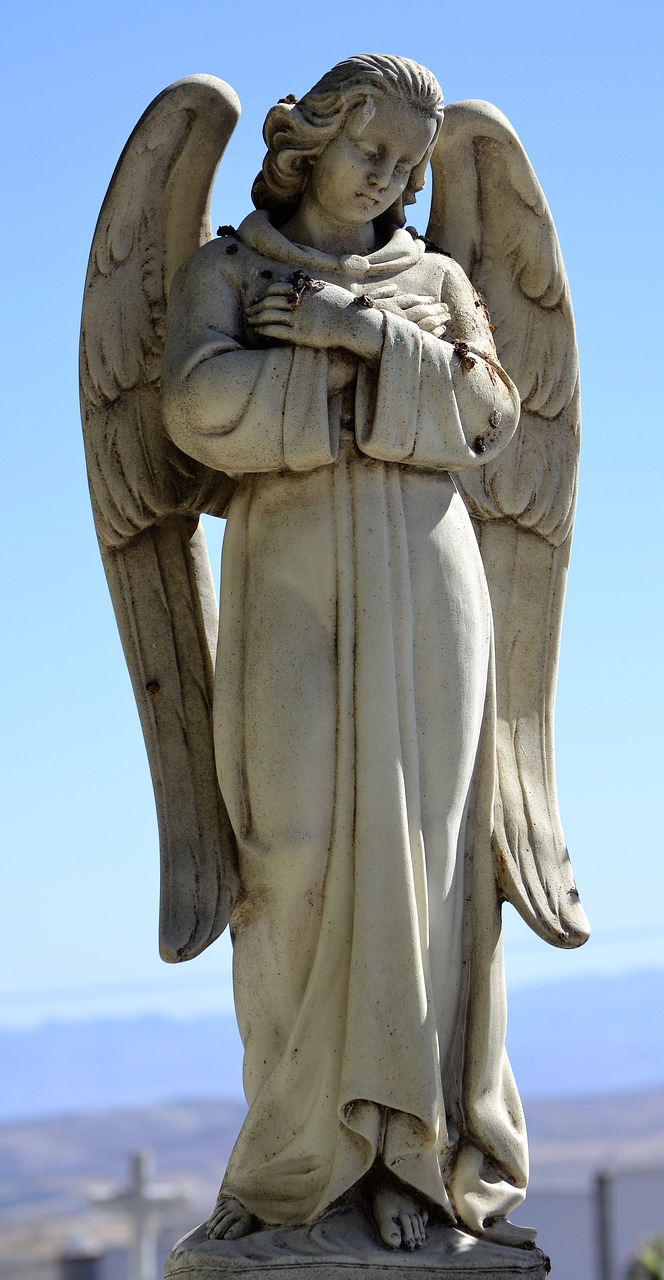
<point x="399" y="1220"/>
<point x="230" y="1220"/>
<point x="502" y="1231"/>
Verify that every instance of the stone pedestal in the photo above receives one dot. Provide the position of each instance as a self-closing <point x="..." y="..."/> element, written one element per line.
<point x="342" y="1247"/>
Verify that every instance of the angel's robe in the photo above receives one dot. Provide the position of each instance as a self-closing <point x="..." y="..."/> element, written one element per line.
<point x="353" y="710"/>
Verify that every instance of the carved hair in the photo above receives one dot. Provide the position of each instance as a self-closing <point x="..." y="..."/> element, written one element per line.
<point x="297" y="133"/>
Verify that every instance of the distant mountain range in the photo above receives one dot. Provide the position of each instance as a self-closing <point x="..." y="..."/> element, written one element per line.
<point x="77" y="1098"/>
<point x="597" y="1036"/>
<point x="592" y="1036"/>
<point x="49" y="1167"/>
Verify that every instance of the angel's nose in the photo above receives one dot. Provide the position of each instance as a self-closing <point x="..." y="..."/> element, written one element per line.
<point x="379" y="180"/>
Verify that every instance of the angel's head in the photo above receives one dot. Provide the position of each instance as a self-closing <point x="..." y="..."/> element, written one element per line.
<point x="374" y="118"/>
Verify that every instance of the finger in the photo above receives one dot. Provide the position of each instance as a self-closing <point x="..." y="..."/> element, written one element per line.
<point x="411" y="299"/>
<point x="385" y="291"/>
<point x="274" y="300"/>
<point x="269" y="304"/>
<point x="271" y="299"/>
<point x="271" y="317"/>
<point x="280" y="332"/>
<point x="431" y="324"/>
<point x="418" y="314"/>
<point x="278" y="287"/>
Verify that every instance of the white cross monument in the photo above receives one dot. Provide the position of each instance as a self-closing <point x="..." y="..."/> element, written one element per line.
<point x="143" y="1202"/>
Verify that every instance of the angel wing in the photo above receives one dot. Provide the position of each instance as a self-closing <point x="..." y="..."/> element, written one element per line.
<point x="147" y="495"/>
<point x="489" y="212"/>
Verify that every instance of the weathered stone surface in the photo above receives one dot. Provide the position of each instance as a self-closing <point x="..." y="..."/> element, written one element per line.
<point x="367" y="773"/>
<point x="342" y="1248"/>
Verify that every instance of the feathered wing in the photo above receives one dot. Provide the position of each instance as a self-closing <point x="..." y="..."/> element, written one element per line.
<point x="489" y="213"/>
<point x="147" y="495"/>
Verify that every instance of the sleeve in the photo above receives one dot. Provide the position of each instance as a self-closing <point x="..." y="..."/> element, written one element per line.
<point x="235" y="409"/>
<point x="438" y="402"/>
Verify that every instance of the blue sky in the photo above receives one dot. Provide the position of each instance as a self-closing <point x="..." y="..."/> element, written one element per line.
<point x="580" y="85"/>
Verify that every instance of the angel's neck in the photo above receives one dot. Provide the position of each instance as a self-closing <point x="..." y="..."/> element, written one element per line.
<point x="310" y="226"/>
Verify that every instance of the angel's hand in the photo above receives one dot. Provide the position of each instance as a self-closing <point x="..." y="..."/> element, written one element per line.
<point x="319" y="317"/>
<point x="426" y="312"/>
<point x="385" y="297"/>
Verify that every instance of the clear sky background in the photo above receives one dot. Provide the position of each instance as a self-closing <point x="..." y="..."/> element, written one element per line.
<point x="580" y="83"/>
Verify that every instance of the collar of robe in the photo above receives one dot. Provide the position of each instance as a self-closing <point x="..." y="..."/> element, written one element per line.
<point x="400" y="252"/>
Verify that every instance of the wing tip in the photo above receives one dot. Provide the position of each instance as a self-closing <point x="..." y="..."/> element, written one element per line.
<point x="574" y="922"/>
<point x="175" y="949"/>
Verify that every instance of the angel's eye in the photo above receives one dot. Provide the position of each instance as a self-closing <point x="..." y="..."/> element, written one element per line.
<point x="401" y="168"/>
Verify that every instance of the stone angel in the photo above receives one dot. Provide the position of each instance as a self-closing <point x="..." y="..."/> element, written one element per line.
<point x="354" y="764"/>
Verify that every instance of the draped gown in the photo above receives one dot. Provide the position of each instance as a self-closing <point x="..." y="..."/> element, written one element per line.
<point x="354" y="733"/>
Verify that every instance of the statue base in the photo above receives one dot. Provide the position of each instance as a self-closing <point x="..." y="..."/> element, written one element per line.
<point x="342" y="1247"/>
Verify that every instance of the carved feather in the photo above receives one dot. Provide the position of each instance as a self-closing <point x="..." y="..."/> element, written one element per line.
<point x="489" y="212"/>
<point x="147" y="495"/>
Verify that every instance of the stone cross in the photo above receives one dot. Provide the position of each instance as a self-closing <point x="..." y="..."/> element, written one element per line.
<point x="143" y="1202"/>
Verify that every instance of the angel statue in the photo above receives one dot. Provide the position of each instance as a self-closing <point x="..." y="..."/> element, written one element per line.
<point x="354" y="765"/>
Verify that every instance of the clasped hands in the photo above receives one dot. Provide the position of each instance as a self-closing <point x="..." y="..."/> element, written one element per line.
<point x="330" y="317"/>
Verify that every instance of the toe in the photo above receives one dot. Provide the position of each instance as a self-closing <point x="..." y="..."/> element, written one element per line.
<point x="238" y="1228"/>
<point x="220" y="1222"/>
<point x="418" y="1234"/>
<point x="390" y="1234"/>
<point x="407" y="1234"/>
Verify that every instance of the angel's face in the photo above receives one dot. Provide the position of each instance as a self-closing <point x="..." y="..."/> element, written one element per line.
<point x="367" y="166"/>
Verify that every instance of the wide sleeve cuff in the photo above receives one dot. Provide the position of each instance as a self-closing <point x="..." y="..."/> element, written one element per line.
<point x="432" y="404"/>
<point x="310" y="440"/>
